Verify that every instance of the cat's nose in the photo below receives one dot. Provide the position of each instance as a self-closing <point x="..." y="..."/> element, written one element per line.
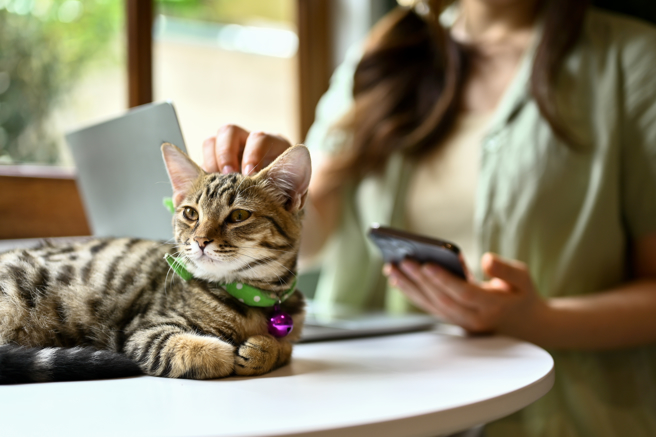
<point x="202" y="241"/>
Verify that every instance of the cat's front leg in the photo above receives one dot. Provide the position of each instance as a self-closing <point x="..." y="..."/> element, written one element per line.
<point x="172" y="352"/>
<point x="261" y="354"/>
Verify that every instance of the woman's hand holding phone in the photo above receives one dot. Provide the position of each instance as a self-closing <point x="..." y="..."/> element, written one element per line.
<point x="507" y="303"/>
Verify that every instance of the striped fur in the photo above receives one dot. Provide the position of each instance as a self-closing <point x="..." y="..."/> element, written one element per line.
<point x="106" y="308"/>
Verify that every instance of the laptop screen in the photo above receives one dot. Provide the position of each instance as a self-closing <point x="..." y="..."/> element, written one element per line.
<point x="121" y="174"/>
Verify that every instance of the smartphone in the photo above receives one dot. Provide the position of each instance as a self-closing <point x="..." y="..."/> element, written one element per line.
<point x="397" y="245"/>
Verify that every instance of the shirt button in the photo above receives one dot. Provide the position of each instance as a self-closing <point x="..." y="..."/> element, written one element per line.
<point x="492" y="142"/>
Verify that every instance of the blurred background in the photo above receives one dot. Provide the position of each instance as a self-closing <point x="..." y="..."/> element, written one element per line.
<point x="65" y="64"/>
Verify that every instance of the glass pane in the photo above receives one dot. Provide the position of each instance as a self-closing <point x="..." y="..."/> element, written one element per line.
<point x="61" y="67"/>
<point x="227" y="61"/>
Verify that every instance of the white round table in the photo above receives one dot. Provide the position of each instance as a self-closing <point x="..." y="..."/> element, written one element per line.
<point x="421" y="384"/>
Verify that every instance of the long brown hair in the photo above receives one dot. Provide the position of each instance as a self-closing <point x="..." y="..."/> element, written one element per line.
<point x="408" y="83"/>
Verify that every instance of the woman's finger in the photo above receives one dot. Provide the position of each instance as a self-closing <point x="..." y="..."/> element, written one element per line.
<point x="399" y="280"/>
<point x="262" y="149"/>
<point x="209" y="158"/>
<point x="513" y="272"/>
<point x="435" y="298"/>
<point x="463" y="292"/>
<point x="436" y="278"/>
<point x="454" y="308"/>
<point x="228" y="148"/>
<point x="432" y="294"/>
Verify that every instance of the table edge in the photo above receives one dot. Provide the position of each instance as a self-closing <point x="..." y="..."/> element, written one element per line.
<point x="423" y="425"/>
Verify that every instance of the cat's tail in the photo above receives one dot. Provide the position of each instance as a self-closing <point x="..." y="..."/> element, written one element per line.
<point x="22" y="364"/>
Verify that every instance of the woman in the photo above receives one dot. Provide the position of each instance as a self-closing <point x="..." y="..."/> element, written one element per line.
<point x="550" y="109"/>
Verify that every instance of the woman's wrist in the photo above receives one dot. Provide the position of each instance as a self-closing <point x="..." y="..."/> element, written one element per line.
<point x="532" y="321"/>
<point x="613" y="319"/>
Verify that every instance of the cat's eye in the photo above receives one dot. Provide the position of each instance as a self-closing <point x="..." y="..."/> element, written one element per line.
<point x="238" y="215"/>
<point x="190" y="214"/>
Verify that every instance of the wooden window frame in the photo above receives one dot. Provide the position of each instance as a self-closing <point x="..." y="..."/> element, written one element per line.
<point x="314" y="55"/>
<point x="139" y="29"/>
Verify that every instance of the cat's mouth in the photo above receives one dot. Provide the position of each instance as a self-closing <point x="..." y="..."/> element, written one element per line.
<point x="211" y="268"/>
<point x="204" y="258"/>
<point x="197" y="254"/>
<point x="212" y="261"/>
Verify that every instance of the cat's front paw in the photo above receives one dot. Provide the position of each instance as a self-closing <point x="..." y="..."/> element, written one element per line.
<point x="198" y="357"/>
<point x="261" y="354"/>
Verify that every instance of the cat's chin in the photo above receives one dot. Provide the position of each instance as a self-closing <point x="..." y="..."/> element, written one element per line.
<point x="218" y="276"/>
<point x="212" y="273"/>
<point x="213" y="270"/>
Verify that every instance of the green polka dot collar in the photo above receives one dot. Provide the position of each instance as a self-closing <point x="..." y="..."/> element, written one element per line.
<point x="244" y="293"/>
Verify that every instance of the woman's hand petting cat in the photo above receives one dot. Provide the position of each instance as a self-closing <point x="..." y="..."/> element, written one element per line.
<point x="235" y="149"/>
<point x="508" y="303"/>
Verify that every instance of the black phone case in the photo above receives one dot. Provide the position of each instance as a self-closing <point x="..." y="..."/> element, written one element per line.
<point x="397" y="245"/>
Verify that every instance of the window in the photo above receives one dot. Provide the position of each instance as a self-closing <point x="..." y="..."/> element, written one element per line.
<point x="61" y="66"/>
<point x="67" y="63"/>
<point x="224" y="62"/>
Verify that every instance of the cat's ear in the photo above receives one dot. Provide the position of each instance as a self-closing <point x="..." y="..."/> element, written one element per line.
<point x="290" y="173"/>
<point x="183" y="172"/>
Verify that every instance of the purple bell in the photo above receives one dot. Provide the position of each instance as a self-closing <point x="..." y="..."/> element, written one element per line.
<point x="280" y="323"/>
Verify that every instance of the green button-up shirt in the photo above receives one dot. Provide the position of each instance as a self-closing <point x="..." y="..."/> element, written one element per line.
<point x="569" y="214"/>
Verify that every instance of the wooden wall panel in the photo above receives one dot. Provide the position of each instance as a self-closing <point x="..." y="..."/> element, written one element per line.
<point x="34" y="207"/>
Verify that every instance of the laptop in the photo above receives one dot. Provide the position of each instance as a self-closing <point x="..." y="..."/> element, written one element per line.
<point x="121" y="174"/>
<point x="122" y="180"/>
<point x="317" y="328"/>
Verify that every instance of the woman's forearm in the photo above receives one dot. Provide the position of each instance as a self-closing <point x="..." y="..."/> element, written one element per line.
<point x="313" y="237"/>
<point x="618" y="318"/>
<point x="322" y="210"/>
<point x="321" y="217"/>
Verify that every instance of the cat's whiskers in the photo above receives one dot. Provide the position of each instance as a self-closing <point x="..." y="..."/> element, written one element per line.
<point x="270" y="260"/>
<point x="274" y="261"/>
<point x="277" y="275"/>
<point x="166" y="280"/>
<point x="169" y="242"/>
<point x="168" y="272"/>
<point x="265" y="249"/>
<point x="253" y="169"/>
<point x="249" y="266"/>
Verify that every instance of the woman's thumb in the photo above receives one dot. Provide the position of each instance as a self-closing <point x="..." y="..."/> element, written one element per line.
<point x="514" y="273"/>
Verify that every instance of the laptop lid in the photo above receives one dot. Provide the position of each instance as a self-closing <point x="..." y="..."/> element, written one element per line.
<point x="121" y="174"/>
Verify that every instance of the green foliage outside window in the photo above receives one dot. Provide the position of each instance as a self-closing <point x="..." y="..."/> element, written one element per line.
<point x="45" y="46"/>
<point x="229" y="11"/>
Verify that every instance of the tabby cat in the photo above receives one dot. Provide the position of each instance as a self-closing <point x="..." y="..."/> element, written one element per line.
<point x="107" y="308"/>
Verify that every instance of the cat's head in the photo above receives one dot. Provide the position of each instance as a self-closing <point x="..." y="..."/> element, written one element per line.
<point x="237" y="228"/>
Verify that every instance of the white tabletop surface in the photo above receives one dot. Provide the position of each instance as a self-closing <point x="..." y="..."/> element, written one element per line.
<point x="421" y="384"/>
